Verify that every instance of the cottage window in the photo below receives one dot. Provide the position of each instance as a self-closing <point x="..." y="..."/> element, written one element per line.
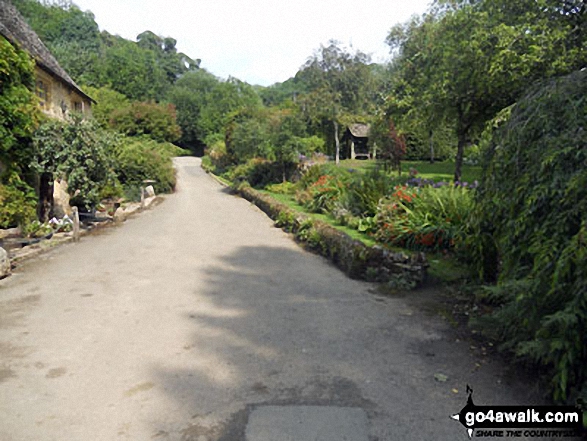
<point x="78" y="107"/>
<point x="43" y="92"/>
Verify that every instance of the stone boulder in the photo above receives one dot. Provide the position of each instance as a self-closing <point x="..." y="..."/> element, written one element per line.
<point x="4" y="263"/>
<point x="149" y="191"/>
<point x="119" y="215"/>
<point x="61" y="198"/>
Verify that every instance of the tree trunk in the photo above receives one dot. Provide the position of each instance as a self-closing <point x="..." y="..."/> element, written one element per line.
<point x="336" y="142"/>
<point x="463" y="127"/>
<point x="462" y="137"/>
<point x="45" y="197"/>
<point x="431" y="147"/>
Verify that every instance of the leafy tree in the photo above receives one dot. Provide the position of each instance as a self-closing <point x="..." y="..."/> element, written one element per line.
<point x="107" y="102"/>
<point x="465" y="62"/>
<point x="77" y="150"/>
<point x="337" y="81"/>
<point x="391" y="145"/>
<point x="157" y="121"/>
<point x="248" y="135"/>
<point x="173" y="63"/>
<point x="71" y="35"/>
<point x="205" y="104"/>
<point x="131" y="70"/>
<point x="141" y="70"/>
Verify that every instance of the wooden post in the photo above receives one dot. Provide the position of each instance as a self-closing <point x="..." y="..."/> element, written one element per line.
<point x="75" y="224"/>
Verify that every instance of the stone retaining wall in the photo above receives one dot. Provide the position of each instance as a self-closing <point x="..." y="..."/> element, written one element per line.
<point x="356" y="259"/>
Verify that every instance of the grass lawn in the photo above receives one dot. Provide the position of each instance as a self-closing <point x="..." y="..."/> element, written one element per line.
<point x="439" y="171"/>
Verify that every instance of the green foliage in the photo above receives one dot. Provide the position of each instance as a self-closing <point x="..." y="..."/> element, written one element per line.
<point x="258" y="172"/>
<point x="205" y="104"/>
<point x="338" y="90"/>
<point x="365" y="191"/>
<point x="157" y="121"/>
<point x="139" y="159"/>
<point x="248" y="136"/>
<point x="425" y="219"/>
<point x="530" y="227"/>
<point x="323" y="188"/>
<point x="219" y="158"/>
<point x="464" y="61"/>
<point x="283" y="188"/>
<point x="79" y="151"/>
<point x="107" y="102"/>
<point x="18" y="107"/>
<point x="18" y="202"/>
<point x="141" y="70"/>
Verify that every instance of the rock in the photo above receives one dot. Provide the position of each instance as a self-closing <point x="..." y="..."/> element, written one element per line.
<point x="132" y="209"/>
<point x="149" y="191"/>
<point x="4" y="264"/>
<point x="61" y="197"/>
<point x="149" y="201"/>
<point x="119" y="215"/>
<point x="10" y="232"/>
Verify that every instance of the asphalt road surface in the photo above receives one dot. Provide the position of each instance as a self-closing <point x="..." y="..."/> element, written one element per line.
<point x="199" y="320"/>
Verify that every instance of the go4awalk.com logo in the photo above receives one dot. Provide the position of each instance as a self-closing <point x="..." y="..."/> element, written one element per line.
<point x="520" y="421"/>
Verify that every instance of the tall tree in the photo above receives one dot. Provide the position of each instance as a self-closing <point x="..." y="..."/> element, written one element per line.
<point x="465" y="61"/>
<point x="337" y="81"/>
<point x="204" y="104"/>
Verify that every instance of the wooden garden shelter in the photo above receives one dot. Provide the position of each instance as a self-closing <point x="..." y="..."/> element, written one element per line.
<point x="356" y="142"/>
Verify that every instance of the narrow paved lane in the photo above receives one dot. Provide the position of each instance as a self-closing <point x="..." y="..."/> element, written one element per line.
<point x="188" y="319"/>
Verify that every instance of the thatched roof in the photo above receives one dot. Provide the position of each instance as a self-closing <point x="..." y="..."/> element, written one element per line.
<point x="14" y="27"/>
<point x="360" y="130"/>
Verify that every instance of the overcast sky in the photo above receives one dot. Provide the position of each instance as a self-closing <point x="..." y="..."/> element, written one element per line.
<point x="257" y="41"/>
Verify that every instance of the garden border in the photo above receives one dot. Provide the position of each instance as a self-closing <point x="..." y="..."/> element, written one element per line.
<point x="352" y="256"/>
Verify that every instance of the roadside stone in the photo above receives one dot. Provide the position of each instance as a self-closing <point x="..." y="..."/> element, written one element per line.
<point x="119" y="215"/>
<point x="149" y="191"/>
<point x="150" y="201"/>
<point x="61" y="198"/>
<point x="132" y="209"/>
<point x="4" y="264"/>
<point x="10" y="232"/>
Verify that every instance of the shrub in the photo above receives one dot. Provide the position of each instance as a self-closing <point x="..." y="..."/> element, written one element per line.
<point x="530" y="230"/>
<point x="283" y="188"/>
<point x="219" y="158"/>
<point x="365" y="191"/>
<point x="157" y="121"/>
<point x="78" y="150"/>
<point x="323" y="195"/>
<point x="258" y="172"/>
<point x="426" y="218"/>
<point x="139" y="159"/>
<point x="18" y="202"/>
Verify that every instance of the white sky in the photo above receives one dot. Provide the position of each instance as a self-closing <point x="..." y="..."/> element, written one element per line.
<point x="257" y="41"/>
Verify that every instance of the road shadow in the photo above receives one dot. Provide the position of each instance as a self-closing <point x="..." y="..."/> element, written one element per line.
<point x="278" y="326"/>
